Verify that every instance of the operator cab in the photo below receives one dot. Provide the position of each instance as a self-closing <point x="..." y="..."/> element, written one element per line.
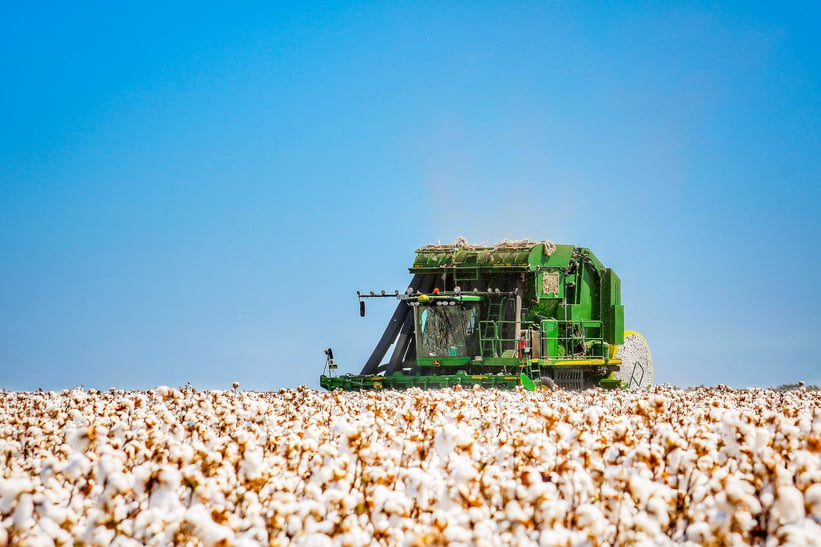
<point x="447" y="326"/>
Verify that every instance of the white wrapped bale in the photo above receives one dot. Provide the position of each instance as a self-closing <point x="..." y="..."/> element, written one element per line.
<point x="637" y="362"/>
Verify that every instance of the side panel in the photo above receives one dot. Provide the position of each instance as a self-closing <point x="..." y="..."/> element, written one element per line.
<point x="613" y="315"/>
<point x="614" y="326"/>
<point x="560" y="257"/>
<point x="611" y="289"/>
<point x="550" y="334"/>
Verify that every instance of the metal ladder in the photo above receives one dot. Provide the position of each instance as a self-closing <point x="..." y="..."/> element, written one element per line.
<point x="489" y="330"/>
<point x="535" y="372"/>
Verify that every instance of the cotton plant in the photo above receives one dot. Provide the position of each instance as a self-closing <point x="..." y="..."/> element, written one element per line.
<point x="459" y="466"/>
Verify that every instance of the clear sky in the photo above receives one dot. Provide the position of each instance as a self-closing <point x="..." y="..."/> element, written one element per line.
<point x="193" y="192"/>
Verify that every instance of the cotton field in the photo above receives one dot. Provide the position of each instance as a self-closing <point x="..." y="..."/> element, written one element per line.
<point x="459" y="467"/>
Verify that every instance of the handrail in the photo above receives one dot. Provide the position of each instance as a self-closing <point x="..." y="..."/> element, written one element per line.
<point x="582" y="333"/>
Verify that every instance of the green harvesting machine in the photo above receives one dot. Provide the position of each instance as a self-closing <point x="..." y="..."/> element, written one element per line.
<point x="519" y="313"/>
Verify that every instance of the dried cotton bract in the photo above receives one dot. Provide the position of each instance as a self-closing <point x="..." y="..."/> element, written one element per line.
<point x="466" y="467"/>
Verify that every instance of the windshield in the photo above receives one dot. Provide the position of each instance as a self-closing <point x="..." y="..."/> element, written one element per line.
<point x="447" y="331"/>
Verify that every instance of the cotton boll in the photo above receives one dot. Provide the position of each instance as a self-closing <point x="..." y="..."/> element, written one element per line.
<point x="36" y="538"/>
<point x="332" y="497"/>
<point x="54" y="512"/>
<point x="658" y="508"/>
<point x="699" y="532"/>
<point x="323" y="475"/>
<point x="102" y="536"/>
<point x="590" y="518"/>
<point x="10" y="489"/>
<point x="789" y="505"/>
<point x="462" y="472"/>
<point x="419" y="483"/>
<point x="457" y="536"/>
<point x="148" y="524"/>
<point x="76" y="466"/>
<point x="123" y="541"/>
<point x="640" y="488"/>
<point x="612" y="455"/>
<point x="294" y="525"/>
<point x="646" y="524"/>
<point x="380" y="523"/>
<point x="209" y="532"/>
<point x="117" y="483"/>
<point x="744" y="521"/>
<point x="255" y="535"/>
<point x="251" y="467"/>
<point x="804" y="533"/>
<point x="142" y="474"/>
<point x="742" y="495"/>
<point x="767" y="498"/>
<point x="812" y="497"/>
<point x="22" y="519"/>
<point x="477" y="515"/>
<point x="52" y="531"/>
<point x="445" y="442"/>
<point x="558" y="536"/>
<point x="566" y="431"/>
<point x="549" y="513"/>
<point x="79" y="439"/>
<point x="314" y="540"/>
<point x="354" y="538"/>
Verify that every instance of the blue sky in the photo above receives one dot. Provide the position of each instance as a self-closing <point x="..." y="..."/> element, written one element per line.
<point x="194" y="192"/>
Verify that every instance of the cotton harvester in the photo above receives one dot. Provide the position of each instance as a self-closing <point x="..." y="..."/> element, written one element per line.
<point x="524" y="313"/>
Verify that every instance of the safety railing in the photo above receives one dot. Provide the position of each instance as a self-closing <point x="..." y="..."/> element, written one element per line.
<point x="498" y="338"/>
<point x="562" y="339"/>
<point x="568" y="339"/>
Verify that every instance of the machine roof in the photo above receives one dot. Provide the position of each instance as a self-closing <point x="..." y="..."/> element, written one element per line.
<point x="520" y="255"/>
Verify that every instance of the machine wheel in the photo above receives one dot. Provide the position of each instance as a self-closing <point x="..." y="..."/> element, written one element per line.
<point x="637" y="361"/>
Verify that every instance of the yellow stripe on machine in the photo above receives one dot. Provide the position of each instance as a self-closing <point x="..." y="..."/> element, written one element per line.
<point x="579" y="362"/>
<point x="584" y="362"/>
